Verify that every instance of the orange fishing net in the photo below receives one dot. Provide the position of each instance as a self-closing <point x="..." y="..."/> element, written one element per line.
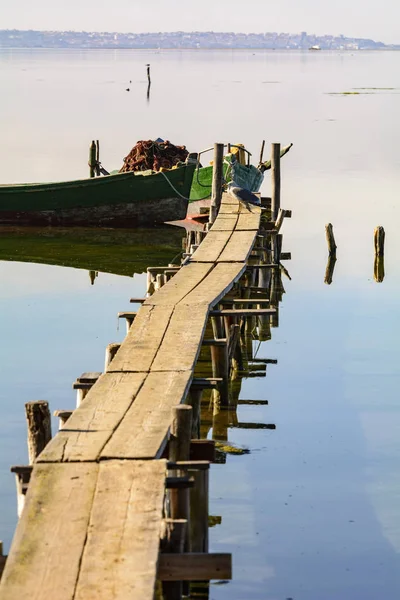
<point x="153" y="155"/>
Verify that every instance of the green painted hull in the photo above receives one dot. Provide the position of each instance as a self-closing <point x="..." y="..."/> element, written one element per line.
<point x="245" y="176"/>
<point x="118" y="251"/>
<point x="123" y="199"/>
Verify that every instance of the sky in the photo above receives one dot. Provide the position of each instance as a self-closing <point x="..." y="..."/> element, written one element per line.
<point x="359" y="18"/>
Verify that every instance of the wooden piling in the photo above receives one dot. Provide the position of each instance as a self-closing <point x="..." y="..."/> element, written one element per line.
<point x="330" y="238"/>
<point x="379" y="268"/>
<point x="148" y="74"/>
<point x="379" y="241"/>
<point x="39" y="427"/>
<point x="217" y="181"/>
<point x="199" y="510"/>
<point x="275" y="180"/>
<point x="92" y="159"/>
<point x="330" y="267"/>
<point x="179" y="450"/>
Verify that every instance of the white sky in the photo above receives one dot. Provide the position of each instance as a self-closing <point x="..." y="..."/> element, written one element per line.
<point x="379" y="20"/>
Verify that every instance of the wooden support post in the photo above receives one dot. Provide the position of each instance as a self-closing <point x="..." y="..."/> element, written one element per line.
<point x="160" y="281"/>
<point x="173" y="542"/>
<point x="111" y="351"/>
<point x="220" y="368"/>
<point x="39" y="427"/>
<point x="92" y="159"/>
<point x="217" y="182"/>
<point x="275" y="180"/>
<point x="97" y="166"/>
<point x="148" y="74"/>
<point x="199" y="511"/>
<point x="379" y="241"/>
<point x="63" y="416"/>
<point x="195" y="396"/>
<point x="330" y="239"/>
<point x="179" y="450"/>
<point x="22" y="478"/>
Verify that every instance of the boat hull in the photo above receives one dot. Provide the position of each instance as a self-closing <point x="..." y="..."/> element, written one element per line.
<point x="121" y="200"/>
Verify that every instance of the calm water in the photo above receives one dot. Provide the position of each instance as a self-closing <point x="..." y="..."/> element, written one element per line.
<point x="313" y="511"/>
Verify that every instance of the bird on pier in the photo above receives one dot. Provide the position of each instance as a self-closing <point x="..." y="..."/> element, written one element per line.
<point x="245" y="197"/>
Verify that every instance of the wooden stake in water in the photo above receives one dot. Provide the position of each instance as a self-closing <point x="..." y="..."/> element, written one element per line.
<point x="217" y="182"/>
<point x="92" y="159"/>
<point x="379" y="240"/>
<point x="275" y="180"/>
<point x="330" y="238"/>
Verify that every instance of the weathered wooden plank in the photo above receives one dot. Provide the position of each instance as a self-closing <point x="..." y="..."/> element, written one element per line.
<point x="229" y="209"/>
<point x="229" y="199"/>
<point x="91" y="425"/>
<point x="186" y="279"/>
<point x="218" y="283"/>
<point x="143" y="340"/>
<point x="192" y="566"/>
<point x="121" y="553"/>
<point x="249" y="220"/>
<point x="144" y="429"/>
<point x="225" y="222"/>
<point x="211" y="247"/>
<point x="239" y="247"/>
<point x="46" y="551"/>
<point x="182" y="341"/>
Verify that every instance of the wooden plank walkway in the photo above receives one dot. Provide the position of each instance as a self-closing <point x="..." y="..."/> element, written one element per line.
<point x="106" y="544"/>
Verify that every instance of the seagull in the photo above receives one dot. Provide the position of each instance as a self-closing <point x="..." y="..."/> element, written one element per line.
<point x="245" y="197"/>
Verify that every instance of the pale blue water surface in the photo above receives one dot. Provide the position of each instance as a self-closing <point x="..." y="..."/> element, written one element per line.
<point x="313" y="511"/>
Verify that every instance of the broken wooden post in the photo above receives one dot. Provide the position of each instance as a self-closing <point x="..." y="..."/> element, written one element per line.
<point x="39" y="427"/>
<point x="330" y="267"/>
<point x="111" y="351"/>
<point x="22" y="478"/>
<point x="92" y="159"/>
<point x="217" y="181"/>
<point x="330" y="239"/>
<point x="275" y="180"/>
<point x="379" y="240"/>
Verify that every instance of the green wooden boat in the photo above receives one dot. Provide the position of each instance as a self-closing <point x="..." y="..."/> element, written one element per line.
<point x="117" y="200"/>
<point x="118" y="251"/>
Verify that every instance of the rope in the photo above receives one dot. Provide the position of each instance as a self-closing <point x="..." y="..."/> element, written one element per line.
<point x="176" y="191"/>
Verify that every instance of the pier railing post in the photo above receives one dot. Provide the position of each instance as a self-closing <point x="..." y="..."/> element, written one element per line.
<point x="217" y="181"/>
<point x="275" y="180"/>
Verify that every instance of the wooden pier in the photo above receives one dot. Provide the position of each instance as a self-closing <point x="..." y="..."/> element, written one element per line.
<point x="117" y="501"/>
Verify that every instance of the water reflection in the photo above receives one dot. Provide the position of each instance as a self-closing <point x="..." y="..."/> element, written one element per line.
<point x="121" y="252"/>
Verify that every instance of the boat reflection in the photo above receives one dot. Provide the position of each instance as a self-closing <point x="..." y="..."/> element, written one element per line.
<point x="120" y="252"/>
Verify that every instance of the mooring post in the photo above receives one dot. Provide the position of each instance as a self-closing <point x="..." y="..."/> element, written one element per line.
<point x="148" y="74"/>
<point x="111" y="351"/>
<point x="39" y="427"/>
<point x="275" y="180"/>
<point x="330" y="238"/>
<point x="92" y="159"/>
<point x="217" y="181"/>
